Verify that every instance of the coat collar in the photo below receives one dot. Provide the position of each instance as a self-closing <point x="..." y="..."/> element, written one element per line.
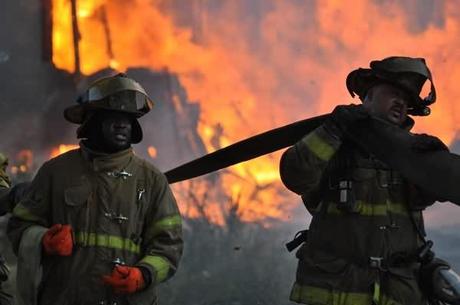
<point x="115" y="163"/>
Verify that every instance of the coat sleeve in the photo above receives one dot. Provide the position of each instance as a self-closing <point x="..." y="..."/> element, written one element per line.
<point x="302" y="166"/>
<point x="5" y="185"/>
<point x="32" y="210"/>
<point x="4" y="179"/>
<point x="162" y="242"/>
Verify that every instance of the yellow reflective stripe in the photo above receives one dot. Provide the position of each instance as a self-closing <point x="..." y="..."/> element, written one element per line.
<point x="319" y="146"/>
<point x="107" y="241"/>
<point x="373" y="209"/>
<point x="376" y="296"/>
<point x="316" y="295"/>
<point x="4" y="179"/>
<point x="160" y="264"/>
<point x="4" y="183"/>
<point x="23" y="213"/>
<point x="164" y="224"/>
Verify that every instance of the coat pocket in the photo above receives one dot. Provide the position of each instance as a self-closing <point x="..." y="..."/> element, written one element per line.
<point x="77" y="211"/>
<point x="328" y="263"/>
<point x="77" y="195"/>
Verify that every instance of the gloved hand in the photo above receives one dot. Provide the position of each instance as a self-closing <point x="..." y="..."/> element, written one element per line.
<point x="343" y="116"/>
<point x="423" y="143"/>
<point x="58" y="240"/>
<point x="125" y="279"/>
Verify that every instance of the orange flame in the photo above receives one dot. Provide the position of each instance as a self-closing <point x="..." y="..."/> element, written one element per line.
<point x="62" y="148"/>
<point x="292" y="66"/>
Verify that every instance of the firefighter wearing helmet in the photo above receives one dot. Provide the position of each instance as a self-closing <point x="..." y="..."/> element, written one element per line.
<point x="104" y="221"/>
<point x="366" y="241"/>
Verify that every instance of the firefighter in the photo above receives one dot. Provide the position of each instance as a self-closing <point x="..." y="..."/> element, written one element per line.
<point x="105" y="221"/>
<point x="5" y="181"/>
<point x="366" y="239"/>
<point x="5" y="298"/>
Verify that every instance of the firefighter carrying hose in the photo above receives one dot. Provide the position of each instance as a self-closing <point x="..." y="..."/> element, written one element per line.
<point x="366" y="242"/>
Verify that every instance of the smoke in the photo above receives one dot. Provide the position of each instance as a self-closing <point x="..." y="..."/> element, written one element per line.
<point x="287" y="60"/>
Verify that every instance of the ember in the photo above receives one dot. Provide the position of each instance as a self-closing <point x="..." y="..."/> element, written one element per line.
<point x="152" y="152"/>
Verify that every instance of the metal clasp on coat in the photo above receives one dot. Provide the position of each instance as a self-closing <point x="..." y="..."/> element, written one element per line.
<point x="118" y="262"/>
<point x="345" y="187"/>
<point x="121" y="174"/>
<point x="118" y="218"/>
<point x="140" y="192"/>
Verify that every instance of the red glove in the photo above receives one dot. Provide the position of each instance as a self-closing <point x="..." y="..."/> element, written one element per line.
<point x="58" y="240"/>
<point x="125" y="280"/>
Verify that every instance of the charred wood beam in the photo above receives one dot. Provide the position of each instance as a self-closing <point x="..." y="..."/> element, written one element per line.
<point x="76" y="37"/>
<point x="47" y="30"/>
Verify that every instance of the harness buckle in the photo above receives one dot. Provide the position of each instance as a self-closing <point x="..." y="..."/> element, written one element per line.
<point x="377" y="262"/>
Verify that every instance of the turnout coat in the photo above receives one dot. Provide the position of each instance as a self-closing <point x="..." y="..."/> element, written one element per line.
<point x="120" y="208"/>
<point x="367" y="225"/>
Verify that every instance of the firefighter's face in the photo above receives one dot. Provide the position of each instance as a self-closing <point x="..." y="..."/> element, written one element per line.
<point x="388" y="102"/>
<point x="116" y="131"/>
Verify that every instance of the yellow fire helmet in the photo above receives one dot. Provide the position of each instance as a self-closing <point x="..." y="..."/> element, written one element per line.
<point x="115" y="93"/>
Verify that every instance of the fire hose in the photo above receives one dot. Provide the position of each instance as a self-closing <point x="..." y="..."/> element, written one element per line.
<point x="437" y="171"/>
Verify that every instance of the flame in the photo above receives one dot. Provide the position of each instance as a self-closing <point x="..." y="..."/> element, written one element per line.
<point x="62" y="148"/>
<point x="62" y="35"/>
<point x="152" y="151"/>
<point x="286" y="62"/>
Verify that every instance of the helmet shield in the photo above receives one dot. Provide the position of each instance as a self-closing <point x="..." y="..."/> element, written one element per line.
<point x="128" y="101"/>
<point x="117" y="93"/>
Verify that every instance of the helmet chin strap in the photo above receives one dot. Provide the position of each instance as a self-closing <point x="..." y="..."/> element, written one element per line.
<point x="423" y="109"/>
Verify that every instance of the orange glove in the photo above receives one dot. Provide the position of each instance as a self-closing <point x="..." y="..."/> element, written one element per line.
<point x="125" y="280"/>
<point x="58" y="240"/>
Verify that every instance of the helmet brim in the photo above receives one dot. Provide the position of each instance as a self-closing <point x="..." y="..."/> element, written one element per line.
<point x="361" y="80"/>
<point x="76" y="114"/>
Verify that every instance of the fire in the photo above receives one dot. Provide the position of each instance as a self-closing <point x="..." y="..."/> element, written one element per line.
<point x="152" y="151"/>
<point x="62" y="35"/>
<point x="23" y="162"/>
<point x="62" y="148"/>
<point x="287" y="62"/>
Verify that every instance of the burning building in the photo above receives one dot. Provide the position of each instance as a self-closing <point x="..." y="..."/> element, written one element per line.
<point x="57" y="48"/>
<point x="67" y="44"/>
<point x="45" y="90"/>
